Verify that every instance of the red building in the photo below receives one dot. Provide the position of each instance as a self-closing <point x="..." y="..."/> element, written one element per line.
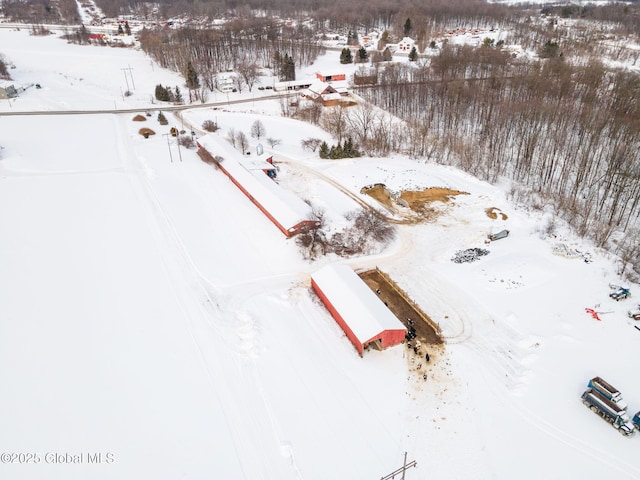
<point x="330" y="77"/>
<point x="363" y="317"/>
<point x="251" y="175"/>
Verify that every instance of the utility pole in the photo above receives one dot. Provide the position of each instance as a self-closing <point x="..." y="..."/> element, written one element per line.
<point x="133" y="84"/>
<point x="126" y="79"/>
<point x="168" y="145"/>
<point x="179" y="152"/>
<point x="400" y="470"/>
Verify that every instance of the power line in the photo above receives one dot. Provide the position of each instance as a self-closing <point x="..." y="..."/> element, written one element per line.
<point x="405" y="466"/>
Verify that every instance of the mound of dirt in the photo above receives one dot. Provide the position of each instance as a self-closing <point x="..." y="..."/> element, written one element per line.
<point x="418" y="199"/>
<point x="493" y="213"/>
<point x="415" y="200"/>
<point x="139" y="118"/>
<point x="146" y="132"/>
<point x="380" y="193"/>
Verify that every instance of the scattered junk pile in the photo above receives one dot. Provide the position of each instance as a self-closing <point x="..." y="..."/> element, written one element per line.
<point x="605" y="400"/>
<point x="469" y="255"/>
<point x="563" y="250"/>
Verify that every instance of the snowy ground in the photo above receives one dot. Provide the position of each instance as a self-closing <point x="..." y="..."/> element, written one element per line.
<point x="150" y="312"/>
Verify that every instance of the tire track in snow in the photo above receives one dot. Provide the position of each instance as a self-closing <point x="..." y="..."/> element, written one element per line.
<point x="200" y="308"/>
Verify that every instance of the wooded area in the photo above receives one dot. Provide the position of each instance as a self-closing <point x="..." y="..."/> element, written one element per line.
<point x="564" y="129"/>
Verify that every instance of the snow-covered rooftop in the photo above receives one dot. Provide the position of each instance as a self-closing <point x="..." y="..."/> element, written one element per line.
<point x="365" y="314"/>
<point x="285" y="207"/>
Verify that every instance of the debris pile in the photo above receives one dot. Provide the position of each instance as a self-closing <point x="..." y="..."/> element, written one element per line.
<point x="469" y="255"/>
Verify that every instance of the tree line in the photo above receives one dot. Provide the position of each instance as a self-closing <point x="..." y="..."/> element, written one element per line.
<point x="567" y="135"/>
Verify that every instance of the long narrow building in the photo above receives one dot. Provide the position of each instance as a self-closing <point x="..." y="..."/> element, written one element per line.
<point x="250" y="174"/>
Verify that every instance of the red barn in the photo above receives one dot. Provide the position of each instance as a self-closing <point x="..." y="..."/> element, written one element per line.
<point x="363" y="317"/>
<point x="331" y="77"/>
<point x="287" y="211"/>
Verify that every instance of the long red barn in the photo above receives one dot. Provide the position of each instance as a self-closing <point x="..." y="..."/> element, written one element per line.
<point x="363" y="317"/>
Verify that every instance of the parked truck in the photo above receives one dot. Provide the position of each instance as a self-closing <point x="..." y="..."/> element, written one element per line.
<point x="620" y="294"/>
<point x="608" y="391"/>
<point x="634" y="313"/>
<point x="608" y="410"/>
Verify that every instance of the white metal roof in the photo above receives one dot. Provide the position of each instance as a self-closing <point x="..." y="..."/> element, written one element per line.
<point x="285" y="207"/>
<point x="362" y="310"/>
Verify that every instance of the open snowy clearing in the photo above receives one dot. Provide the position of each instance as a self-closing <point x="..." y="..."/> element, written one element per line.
<point x="149" y="311"/>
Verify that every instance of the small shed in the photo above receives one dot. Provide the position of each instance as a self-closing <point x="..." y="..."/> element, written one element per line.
<point x="363" y="317"/>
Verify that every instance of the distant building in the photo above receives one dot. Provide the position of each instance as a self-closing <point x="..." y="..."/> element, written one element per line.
<point x="292" y="85"/>
<point x="330" y="76"/>
<point x="406" y="44"/>
<point x="225" y="82"/>
<point x="324" y="93"/>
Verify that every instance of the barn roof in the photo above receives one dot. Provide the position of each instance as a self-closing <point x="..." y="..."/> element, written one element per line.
<point x="286" y="208"/>
<point x="362" y="310"/>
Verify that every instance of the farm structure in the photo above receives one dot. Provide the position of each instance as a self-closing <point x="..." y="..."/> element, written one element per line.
<point x="331" y="77"/>
<point x="252" y="176"/>
<point x="324" y="93"/>
<point x="363" y="317"/>
<point x="293" y="85"/>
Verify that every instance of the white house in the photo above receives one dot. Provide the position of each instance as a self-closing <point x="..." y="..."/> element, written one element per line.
<point x="406" y="44"/>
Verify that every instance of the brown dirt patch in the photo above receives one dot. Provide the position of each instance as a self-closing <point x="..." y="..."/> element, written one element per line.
<point x="494" y="213"/>
<point x="139" y="118"/>
<point x="380" y="193"/>
<point x="417" y="199"/>
<point x="402" y="306"/>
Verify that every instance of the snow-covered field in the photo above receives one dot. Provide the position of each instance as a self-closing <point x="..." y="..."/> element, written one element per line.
<point x="151" y="314"/>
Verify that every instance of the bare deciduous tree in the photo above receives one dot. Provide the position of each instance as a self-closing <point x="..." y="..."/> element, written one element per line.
<point x="274" y="142"/>
<point x="257" y="129"/>
<point x="311" y="144"/>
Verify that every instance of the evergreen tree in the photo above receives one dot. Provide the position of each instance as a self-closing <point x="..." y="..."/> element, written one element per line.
<point x="413" y="54"/>
<point x="120" y="30"/>
<point x="193" y="83"/>
<point x="287" y="68"/>
<point x="345" y="56"/>
<point x="161" y="93"/>
<point x="386" y="55"/>
<point x="127" y="28"/>
<point x="362" y="55"/>
<point x="324" y="150"/>
<point x="178" y="96"/>
<point x="162" y="120"/>
<point x="277" y="64"/>
<point x="407" y="27"/>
